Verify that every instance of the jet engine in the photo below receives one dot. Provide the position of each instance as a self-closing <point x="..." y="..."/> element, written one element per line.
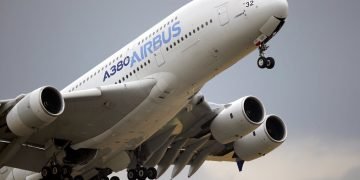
<point x="238" y="119"/>
<point x="271" y="134"/>
<point x="36" y="110"/>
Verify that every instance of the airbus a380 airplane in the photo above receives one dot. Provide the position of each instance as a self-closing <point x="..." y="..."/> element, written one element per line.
<point x="140" y="108"/>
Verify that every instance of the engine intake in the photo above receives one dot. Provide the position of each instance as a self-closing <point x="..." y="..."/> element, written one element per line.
<point x="238" y="119"/>
<point x="36" y="110"/>
<point x="263" y="140"/>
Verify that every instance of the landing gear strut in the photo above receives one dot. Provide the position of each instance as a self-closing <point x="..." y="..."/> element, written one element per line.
<point x="265" y="62"/>
<point x="141" y="173"/>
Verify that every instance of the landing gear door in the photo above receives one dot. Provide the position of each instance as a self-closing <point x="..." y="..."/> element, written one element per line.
<point x="223" y="15"/>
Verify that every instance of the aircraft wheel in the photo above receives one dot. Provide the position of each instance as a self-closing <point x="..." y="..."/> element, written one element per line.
<point x="152" y="173"/>
<point x="45" y="172"/>
<point x="114" y="178"/>
<point x="261" y="62"/>
<point x="55" y="170"/>
<point x="131" y="174"/>
<point x="66" y="171"/>
<point x="142" y="173"/>
<point x="270" y="62"/>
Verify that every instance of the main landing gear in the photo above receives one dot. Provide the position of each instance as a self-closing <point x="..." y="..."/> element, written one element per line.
<point x="265" y="62"/>
<point x="55" y="171"/>
<point x="58" y="172"/>
<point x="141" y="173"/>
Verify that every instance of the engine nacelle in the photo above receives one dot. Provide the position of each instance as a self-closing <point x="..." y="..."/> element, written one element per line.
<point x="271" y="134"/>
<point x="36" y="110"/>
<point x="238" y="119"/>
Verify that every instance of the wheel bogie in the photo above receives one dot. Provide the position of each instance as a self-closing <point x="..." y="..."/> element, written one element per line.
<point x="142" y="173"/>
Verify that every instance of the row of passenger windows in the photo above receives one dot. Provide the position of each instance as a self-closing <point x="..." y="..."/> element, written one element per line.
<point x="190" y="33"/>
<point x="95" y="73"/>
<point x="157" y="30"/>
<point x="133" y="72"/>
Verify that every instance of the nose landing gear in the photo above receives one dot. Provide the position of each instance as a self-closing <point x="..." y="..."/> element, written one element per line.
<point x="265" y="62"/>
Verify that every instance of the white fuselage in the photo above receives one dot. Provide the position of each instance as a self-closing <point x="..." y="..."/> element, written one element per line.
<point x="182" y="53"/>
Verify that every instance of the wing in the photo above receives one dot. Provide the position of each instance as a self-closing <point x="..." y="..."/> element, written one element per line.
<point x="87" y="113"/>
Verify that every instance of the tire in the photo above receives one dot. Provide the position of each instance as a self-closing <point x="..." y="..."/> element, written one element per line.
<point x="152" y="173"/>
<point x="114" y="178"/>
<point x="66" y="171"/>
<point x="270" y="62"/>
<point x="142" y="173"/>
<point x="131" y="174"/>
<point x="261" y="62"/>
<point x="45" y="172"/>
<point x="55" y="170"/>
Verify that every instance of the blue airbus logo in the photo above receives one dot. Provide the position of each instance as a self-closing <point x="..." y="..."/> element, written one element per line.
<point x="145" y="50"/>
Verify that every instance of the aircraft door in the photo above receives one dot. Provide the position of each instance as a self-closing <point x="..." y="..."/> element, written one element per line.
<point x="223" y="15"/>
<point x="159" y="57"/>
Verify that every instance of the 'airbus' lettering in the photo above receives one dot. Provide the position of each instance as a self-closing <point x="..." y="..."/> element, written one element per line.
<point x="146" y="49"/>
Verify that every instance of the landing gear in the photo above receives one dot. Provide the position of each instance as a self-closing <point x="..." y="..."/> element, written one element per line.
<point x="141" y="173"/>
<point x="265" y="62"/>
<point x="56" y="171"/>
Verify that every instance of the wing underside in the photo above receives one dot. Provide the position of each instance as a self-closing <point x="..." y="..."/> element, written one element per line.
<point x="87" y="114"/>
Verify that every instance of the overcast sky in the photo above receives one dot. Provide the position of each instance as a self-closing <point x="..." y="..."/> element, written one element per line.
<point x="314" y="87"/>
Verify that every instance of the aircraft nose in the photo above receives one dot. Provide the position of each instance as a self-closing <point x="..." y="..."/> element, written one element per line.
<point x="280" y="8"/>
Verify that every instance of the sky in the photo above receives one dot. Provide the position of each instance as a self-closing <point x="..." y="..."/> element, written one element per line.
<point x="314" y="87"/>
